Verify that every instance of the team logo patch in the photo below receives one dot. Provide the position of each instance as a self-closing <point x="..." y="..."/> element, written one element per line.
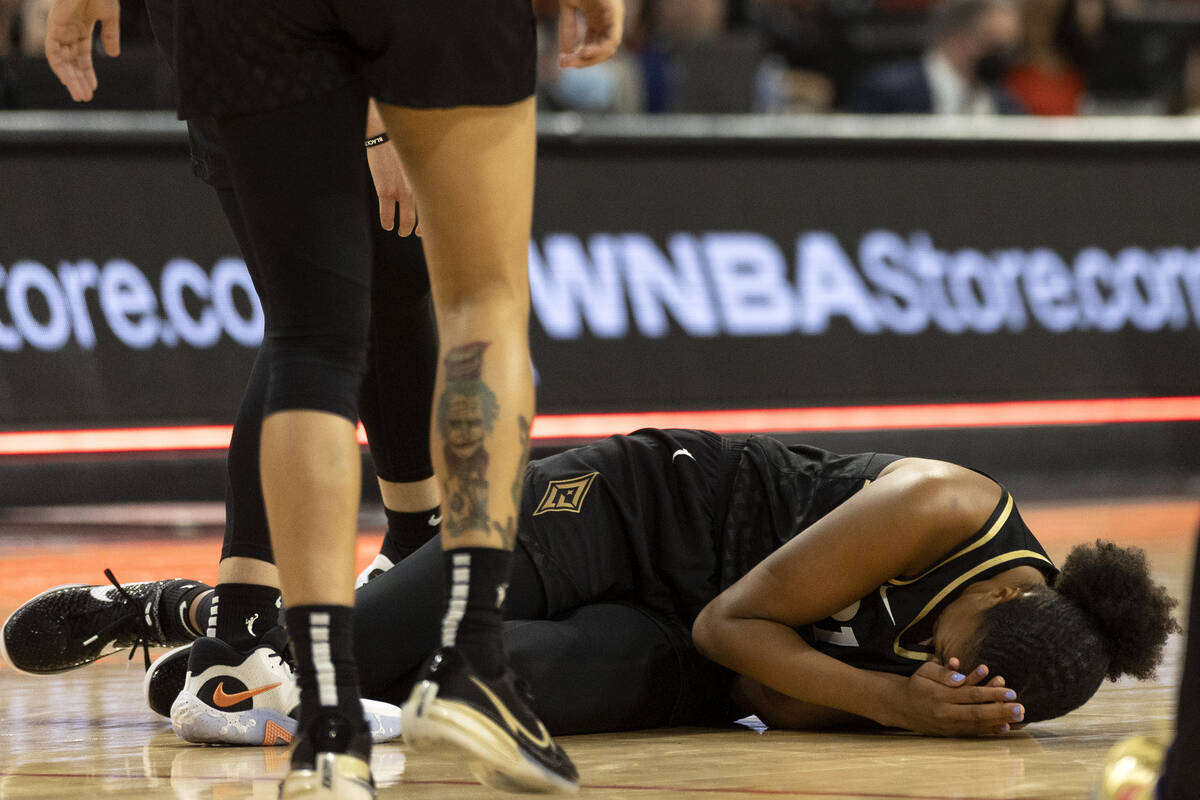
<point x="566" y="495"/>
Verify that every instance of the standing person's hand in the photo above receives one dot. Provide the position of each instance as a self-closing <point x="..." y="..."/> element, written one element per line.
<point x="602" y="24"/>
<point x="69" y="29"/>
<point x="397" y="208"/>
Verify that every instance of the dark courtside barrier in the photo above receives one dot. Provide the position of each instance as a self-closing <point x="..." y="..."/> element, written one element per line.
<point x="677" y="263"/>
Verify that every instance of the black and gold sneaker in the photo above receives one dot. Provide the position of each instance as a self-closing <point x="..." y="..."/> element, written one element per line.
<point x="165" y="679"/>
<point x="1132" y="770"/>
<point x="71" y="626"/>
<point x="507" y="746"/>
<point x="331" y="761"/>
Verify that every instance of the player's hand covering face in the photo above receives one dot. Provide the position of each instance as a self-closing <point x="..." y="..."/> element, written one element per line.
<point x="602" y="23"/>
<point x="69" y="29"/>
<point x="941" y="701"/>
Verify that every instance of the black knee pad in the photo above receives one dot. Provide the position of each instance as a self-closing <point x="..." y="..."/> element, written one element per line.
<point x="318" y="373"/>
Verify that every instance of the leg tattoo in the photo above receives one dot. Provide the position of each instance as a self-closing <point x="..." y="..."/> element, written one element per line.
<point x="466" y="414"/>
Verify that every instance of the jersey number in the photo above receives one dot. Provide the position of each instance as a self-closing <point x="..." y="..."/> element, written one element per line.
<point x="844" y="635"/>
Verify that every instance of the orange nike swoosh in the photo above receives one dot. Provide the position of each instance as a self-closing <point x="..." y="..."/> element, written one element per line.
<point x="223" y="700"/>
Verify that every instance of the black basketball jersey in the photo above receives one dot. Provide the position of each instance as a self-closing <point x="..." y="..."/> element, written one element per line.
<point x="778" y="491"/>
<point x="888" y="630"/>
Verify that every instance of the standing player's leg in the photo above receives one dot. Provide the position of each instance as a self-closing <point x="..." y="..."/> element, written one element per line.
<point x="247" y="581"/>
<point x="397" y="392"/>
<point x="243" y="646"/>
<point x="1182" y="774"/>
<point x="245" y="603"/>
<point x="472" y="169"/>
<point x="302" y="201"/>
<point x="1141" y="768"/>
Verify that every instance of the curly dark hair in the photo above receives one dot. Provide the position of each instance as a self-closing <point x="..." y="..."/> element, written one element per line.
<point x="1103" y="617"/>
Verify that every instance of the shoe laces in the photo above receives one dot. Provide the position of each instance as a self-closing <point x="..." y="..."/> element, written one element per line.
<point x="134" y="618"/>
<point x="277" y="641"/>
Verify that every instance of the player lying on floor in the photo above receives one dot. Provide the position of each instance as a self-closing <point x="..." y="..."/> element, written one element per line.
<point x="824" y="590"/>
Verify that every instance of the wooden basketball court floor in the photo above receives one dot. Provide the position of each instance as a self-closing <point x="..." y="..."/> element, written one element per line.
<point x="88" y="734"/>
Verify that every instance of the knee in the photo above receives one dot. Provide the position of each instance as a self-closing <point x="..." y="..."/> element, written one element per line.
<point x="317" y="372"/>
<point x="467" y="291"/>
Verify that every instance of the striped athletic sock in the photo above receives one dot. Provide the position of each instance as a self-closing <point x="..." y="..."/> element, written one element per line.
<point x="477" y="580"/>
<point x="323" y="646"/>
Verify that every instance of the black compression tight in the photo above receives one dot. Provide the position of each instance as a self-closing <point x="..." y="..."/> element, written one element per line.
<point x="1182" y="773"/>
<point x="603" y="666"/>
<point x="395" y="395"/>
<point x="301" y="198"/>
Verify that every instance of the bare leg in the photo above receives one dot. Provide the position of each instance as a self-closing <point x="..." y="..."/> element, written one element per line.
<point x="473" y="169"/>
<point x="472" y="172"/>
<point x="311" y="477"/>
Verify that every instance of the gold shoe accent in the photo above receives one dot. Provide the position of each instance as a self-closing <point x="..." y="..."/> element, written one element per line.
<point x="334" y="776"/>
<point x="1132" y="770"/>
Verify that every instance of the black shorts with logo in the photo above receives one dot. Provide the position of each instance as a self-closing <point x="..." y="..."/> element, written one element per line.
<point x="245" y="56"/>
<point x="631" y="520"/>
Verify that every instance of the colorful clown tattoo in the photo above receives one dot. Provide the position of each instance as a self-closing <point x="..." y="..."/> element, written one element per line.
<point x="466" y="415"/>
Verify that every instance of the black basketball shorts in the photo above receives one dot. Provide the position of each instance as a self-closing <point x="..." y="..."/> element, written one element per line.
<point x="246" y="56"/>
<point x="628" y="518"/>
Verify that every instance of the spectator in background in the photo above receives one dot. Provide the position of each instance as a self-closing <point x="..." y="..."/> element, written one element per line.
<point x="810" y="39"/>
<point x="668" y="25"/>
<point x="1189" y="90"/>
<point x="23" y="27"/>
<point x="9" y="10"/>
<point x="962" y="71"/>
<point x="1059" y="37"/>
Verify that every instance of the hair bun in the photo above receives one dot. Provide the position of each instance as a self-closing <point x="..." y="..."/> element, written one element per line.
<point x="1113" y="586"/>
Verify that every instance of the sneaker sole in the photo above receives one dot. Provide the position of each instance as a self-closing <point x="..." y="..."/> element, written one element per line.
<point x="4" y="633"/>
<point x="195" y="721"/>
<point x="328" y="780"/>
<point x="180" y="667"/>
<point x="494" y="757"/>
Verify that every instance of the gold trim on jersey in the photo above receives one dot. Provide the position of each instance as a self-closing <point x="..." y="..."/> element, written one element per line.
<point x="980" y="542"/>
<point x="959" y="581"/>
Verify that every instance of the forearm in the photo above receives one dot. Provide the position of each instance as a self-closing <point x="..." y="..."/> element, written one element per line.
<point x="375" y="125"/>
<point x="777" y="710"/>
<point x="775" y="656"/>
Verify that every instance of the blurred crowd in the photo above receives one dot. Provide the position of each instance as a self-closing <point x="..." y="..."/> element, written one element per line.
<point x="1042" y="57"/>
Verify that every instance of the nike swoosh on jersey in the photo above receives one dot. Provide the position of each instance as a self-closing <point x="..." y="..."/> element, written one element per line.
<point x="435" y="520"/>
<point x="886" y="604"/>
<point x="223" y="700"/>
<point x="682" y="452"/>
<point x="514" y="724"/>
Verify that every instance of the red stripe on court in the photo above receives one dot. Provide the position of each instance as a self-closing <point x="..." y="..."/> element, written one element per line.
<point x="754" y="420"/>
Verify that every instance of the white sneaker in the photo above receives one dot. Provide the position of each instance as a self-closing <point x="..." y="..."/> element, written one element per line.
<point x="380" y="565"/>
<point x="230" y="697"/>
